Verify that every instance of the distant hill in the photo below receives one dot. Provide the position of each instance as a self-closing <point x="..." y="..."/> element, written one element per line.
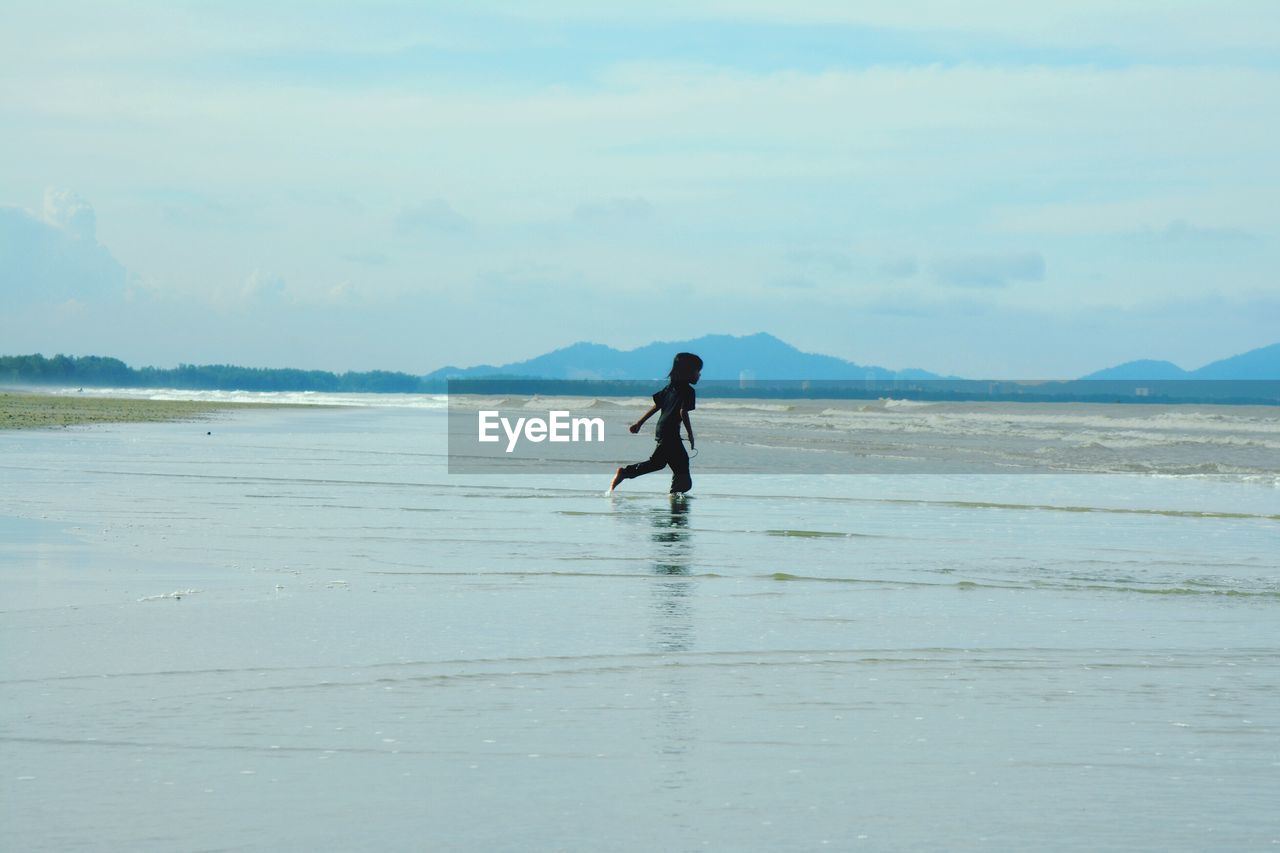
<point x="1261" y="363"/>
<point x="727" y="357"/>
<point x="1142" y="369"/>
<point x="759" y="357"/>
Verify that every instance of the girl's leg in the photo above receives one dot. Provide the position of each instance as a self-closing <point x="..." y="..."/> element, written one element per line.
<point x="678" y="459"/>
<point x="656" y="462"/>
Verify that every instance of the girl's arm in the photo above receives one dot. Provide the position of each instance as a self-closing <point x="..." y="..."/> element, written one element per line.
<point x="688" y="427"/>
<point x="635" y="427"/>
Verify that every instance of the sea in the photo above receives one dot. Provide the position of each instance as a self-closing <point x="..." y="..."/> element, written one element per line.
<point x="872" y="625"/>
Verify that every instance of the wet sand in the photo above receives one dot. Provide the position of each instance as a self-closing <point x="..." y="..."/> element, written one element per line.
<point x="304" y="632"/>
<point x="23" y="410"/>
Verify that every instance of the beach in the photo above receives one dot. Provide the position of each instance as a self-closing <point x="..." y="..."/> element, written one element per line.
<point x="967" y="628"/>
<point x="21" y="409"/>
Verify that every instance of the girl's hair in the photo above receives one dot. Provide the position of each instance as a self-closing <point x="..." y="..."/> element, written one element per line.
<point x="684" y="365"/>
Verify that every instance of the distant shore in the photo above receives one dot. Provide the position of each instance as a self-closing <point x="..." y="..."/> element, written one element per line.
<point x="20" y="410"/>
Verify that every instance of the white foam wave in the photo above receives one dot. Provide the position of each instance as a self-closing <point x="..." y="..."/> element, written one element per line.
<point x="292" y="398"/>
<point x="725" y="406"/>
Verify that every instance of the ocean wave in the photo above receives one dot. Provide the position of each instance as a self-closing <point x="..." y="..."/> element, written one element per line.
<point x="291" y="398"/>
<point x="753" y="406"/>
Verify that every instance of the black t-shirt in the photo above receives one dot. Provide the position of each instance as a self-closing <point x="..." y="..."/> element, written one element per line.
<point x="670" y="401"/>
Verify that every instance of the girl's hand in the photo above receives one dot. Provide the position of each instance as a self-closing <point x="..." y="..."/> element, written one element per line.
<point x="635" y="427"/>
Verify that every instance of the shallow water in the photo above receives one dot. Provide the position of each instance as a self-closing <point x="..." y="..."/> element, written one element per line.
<point x="300" y="631"/>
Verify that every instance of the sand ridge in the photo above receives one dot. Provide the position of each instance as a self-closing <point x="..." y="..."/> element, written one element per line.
<point x="22" y="410"/>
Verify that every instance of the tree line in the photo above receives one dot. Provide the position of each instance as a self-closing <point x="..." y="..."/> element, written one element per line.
<point x="100" y="371"/>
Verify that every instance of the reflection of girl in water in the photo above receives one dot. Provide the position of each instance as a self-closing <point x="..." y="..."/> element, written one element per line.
<point x="674" y="402"/>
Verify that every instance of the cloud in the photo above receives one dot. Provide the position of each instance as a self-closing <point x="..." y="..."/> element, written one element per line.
<point x="56" y="258"/>
<point x="343" y="291"/>
<point x="70" y="212"/>
<point x="903" y="267"/>
<point x="191" y="210"/>
<point x="922" y="305"/>
<point x="827" y="261"/>
<point x="432" y="215"/>
<point x="989" y="270"/>
<point x="367" y="259"/>
<point x="791" y="283"/>
<point x="262" y="286"/>
<point x="614" y="211"/>
<point x="340" y="201"/>
<point x="1181" y="231"/>
<point x="544" y="285"/>
<point x="821" y="259"/>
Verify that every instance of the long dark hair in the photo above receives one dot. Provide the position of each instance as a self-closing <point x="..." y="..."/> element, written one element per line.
<point x="684" y="366"/>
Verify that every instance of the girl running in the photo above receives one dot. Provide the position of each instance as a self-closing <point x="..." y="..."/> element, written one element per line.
<point x="672" y="405"/>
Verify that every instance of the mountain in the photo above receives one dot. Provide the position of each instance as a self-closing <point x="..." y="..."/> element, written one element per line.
<point x="726" y="357"/>
<point x="1261" y="363"/>
<point x="1145" y="368"/>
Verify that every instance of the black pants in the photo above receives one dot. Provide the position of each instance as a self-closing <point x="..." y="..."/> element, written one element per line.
<point x="666" y="453"/>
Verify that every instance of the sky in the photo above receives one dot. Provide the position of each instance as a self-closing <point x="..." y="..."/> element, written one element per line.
<point x="1002" y="189"/>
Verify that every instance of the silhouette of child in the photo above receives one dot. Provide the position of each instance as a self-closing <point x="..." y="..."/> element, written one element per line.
<point x="672" y="405"/>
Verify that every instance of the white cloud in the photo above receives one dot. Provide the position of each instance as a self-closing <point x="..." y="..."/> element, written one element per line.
<point x="904" y="266"/>
<point x="823" y="260"/>
<point x="1181" y="231"/>
<point x="198" y="213"/>
<point x="989" y="270"/>
<point x="614" y="211"/>
<point x="432" y="215"/>
<point x="1148" y="26"/>
<point x="343" y="291"/>
<point x="262" y="286"/>
<point x="794" y="282"/>
<point x="842" y="265"/>
<point x="1242" y="204"/>
<point x="69" y="211"/>
<point x="367" y="259"/>
<point x="56" y="258"/>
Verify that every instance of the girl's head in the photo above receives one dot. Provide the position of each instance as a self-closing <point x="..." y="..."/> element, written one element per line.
<point x="686" y="367"/>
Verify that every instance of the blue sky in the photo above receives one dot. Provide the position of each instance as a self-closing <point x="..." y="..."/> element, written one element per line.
<point x="989" y="188"/>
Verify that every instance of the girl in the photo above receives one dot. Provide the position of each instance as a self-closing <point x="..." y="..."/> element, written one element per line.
<point x="674" y="402"/>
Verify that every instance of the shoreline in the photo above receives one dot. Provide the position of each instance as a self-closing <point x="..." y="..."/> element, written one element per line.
<point x="22" y="410"/>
